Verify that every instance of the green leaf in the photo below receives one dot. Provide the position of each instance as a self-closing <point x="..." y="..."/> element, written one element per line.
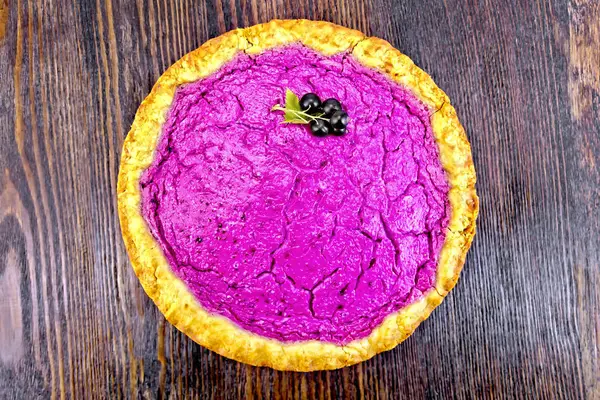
<point x="292" y="102"/>
<point x="292" y="108"/>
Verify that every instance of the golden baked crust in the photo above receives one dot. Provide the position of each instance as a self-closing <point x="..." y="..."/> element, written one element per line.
<point x="221" y="335"/>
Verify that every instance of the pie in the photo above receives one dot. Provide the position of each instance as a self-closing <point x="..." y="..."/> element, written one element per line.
<point x="277" y="248"/>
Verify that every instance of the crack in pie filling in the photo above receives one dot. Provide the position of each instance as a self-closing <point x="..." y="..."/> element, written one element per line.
<point x="275" y="247"/>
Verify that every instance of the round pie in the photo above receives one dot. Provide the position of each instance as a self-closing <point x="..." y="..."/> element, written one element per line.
<point x="275" y="247"/>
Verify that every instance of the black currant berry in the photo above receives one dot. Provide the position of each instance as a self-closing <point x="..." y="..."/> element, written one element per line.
<point x="339" y="119"/>
<point x="330" y="106"/>
<point x="310" y="103"/>
<point x="338" y="131"/>
<point x="319" y="127"/>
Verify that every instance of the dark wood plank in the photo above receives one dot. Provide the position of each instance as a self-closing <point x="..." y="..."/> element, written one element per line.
<point x="524" y="321"/>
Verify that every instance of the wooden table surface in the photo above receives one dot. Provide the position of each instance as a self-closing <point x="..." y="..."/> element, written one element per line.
<point x="524" y="320"/>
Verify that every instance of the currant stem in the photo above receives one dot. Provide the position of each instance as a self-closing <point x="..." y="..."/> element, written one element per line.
<point x="300" y="114"/>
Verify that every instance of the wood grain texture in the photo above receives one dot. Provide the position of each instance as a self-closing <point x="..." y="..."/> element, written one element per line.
<point x="524" y="320"/>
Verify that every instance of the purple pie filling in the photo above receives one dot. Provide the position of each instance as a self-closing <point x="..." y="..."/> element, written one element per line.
<point x="291" y="236"/>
